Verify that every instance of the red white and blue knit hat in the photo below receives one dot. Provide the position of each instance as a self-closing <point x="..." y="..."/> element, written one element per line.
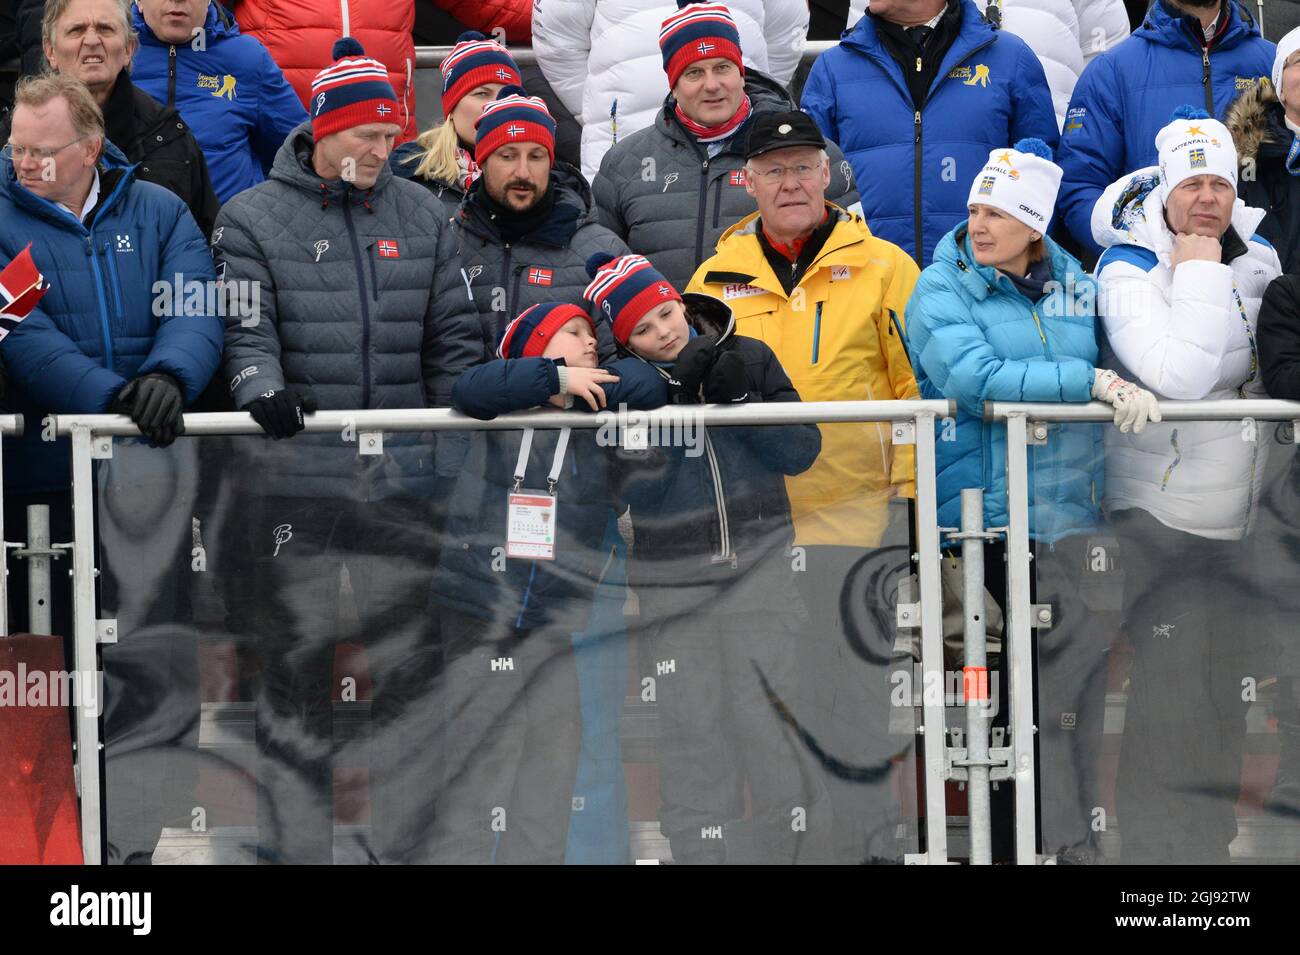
<point x="351" y="91"/>
<point x="513" y="117"/>
<point x="698" y="31"/>
<point x="528" y="335"/>
<point x="474" y="61"/>
<point x="624" y="288"/>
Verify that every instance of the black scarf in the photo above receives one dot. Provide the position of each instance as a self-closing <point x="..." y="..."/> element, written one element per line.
<point x="119" y="113"/>
<point x="513" y="225"/>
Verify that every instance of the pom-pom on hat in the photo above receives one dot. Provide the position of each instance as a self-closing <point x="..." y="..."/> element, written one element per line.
<point x="513" y="117"/>
<point x="1021" y="181"/>
<point x="1194" y="144"/>
<point x="698" y="31"/>
<point x="528" y="335"/>
<point x="472" y="62"/>
<point x="624" y="288"/>
<point x="351" y="91"/>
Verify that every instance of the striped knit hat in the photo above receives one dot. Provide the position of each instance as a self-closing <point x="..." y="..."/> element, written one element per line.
<point x="351" y="91"/>
<point x="624" y="288"/>
<point x="474" y="61"/>
<point x="698" y="31"/>
<point x="513" y="117"/>
<point x="527" y="335"/>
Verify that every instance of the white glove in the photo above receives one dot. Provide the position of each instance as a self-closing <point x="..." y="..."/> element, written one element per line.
<point x="1134" y="406"/>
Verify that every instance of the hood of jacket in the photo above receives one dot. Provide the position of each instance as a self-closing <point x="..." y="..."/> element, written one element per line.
<point x="219" y="24"/>
<point x="110" y="160"/>
<point x="705" y="315"/>
<point x="980" y="281"/>
<point x="573" y="209"/>
<point x="765" y="94"/>
<point x="1132" y="212"/>
<point x="1182" y="31"/>
<point x="293" y="166"/>
<point x="1257" y="122"/>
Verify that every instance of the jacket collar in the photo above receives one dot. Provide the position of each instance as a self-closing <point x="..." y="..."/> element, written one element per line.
<point x="739" y="258"/>
<point x="293" y="166"/>
<point x="1173" y="28"/>
<point x="116" y="175"/>
<point x="765" y="96"/>
<point x="219" y="23"/>
<point x="980" y="281"/>
<point x="975" y="32"/>
<point x="573" y="210"/>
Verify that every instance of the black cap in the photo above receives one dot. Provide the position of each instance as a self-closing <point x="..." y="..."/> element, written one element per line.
<point x="779" y="130"/>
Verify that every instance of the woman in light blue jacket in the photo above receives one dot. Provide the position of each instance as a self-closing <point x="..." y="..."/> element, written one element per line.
<point x="1005" y="314"/>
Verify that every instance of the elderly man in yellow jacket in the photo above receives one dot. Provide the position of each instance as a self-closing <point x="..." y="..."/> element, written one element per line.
<point x="811" y="281"/>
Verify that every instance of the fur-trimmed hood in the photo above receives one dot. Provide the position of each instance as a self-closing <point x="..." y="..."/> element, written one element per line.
<point x="1257" y="121"/>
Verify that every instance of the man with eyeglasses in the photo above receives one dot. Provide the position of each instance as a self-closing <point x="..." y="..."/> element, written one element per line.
<point x="93" y="41"/>
<point x="670" y="190"/>
<point x="810" y="280"/>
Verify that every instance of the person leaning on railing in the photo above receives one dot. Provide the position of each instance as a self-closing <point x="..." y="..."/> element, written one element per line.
<point x="442" y="158"/>
<point x="1180" y="284"/>
<point x="1005" y="314"/>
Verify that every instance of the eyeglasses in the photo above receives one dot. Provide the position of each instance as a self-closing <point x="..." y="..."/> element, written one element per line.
<point x="776" y="175"/>
<point x="19" y="153"/>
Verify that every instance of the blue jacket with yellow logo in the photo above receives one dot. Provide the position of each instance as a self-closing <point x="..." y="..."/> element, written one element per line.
<point x="913" y="165"/>
<point x="1126" y="96"/>
<point x="231" y="93"/>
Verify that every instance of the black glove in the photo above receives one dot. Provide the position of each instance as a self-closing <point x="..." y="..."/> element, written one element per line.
<point x="726" y="382"/>
<point x="280" y="413"/>
<point x="156" y="404"/>
<point x="693" y="363"/>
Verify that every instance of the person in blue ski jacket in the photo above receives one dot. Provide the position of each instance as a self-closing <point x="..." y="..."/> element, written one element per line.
<point x="1185" y="51"/>
<point x="225" y="85"/>
<point x="508" y="613"/>
<point x="916" y="134"/>
<point x="1006" y="314"/>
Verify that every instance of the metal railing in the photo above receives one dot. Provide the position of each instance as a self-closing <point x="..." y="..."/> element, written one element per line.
<point x="912" y="423"/>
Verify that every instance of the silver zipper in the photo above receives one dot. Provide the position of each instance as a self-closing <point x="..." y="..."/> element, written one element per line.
<point x="724" y="527"/>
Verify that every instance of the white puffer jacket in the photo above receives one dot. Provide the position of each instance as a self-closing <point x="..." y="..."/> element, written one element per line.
<point x="1185" y="334"/>
<point x="1065" y="35"/>
<point x="602" y="57"/>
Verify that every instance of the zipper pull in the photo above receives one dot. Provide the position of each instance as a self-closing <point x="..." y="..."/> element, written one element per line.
<point x="918" y="64"/>
<point x="918" y="126"/>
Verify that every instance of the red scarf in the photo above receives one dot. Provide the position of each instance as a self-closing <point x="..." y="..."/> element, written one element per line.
<point x="712" y="134"/>
<point x="467" y="168"/>
<point x="792" y="250"/>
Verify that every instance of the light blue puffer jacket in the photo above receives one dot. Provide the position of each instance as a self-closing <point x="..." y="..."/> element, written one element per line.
<point x="973" y="337"/>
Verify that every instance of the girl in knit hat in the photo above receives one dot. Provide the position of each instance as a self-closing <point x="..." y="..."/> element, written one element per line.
<point x="1005" y="314"/>
<point x="712" y="569"/>
<point x="442" y="158"/>
<point x="519" y="568"/>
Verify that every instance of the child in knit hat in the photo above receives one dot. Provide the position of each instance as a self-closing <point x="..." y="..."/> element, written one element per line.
<point x="516" y="578"/>
<point x="712" y="570"/>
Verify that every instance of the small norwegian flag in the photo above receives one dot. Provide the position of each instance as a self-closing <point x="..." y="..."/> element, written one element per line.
<point x="540" y="276"/>
<point x="21" y="287"/>
<point x="737" y="178"/>
<point x="388" y="249"/>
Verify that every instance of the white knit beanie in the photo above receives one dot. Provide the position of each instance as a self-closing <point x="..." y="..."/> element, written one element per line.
<point x="1285" y="47"/>
<point x="1021" y="181"/>
<point x="1193" y="144"/>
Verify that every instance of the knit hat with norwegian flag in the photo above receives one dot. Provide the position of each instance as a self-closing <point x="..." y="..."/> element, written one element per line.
<point x="698" y="31"/>
<point x="473" y="62"/>
<point x="513" y="117"/>
<point x="351" y="91"/>
<point x="528" y="335"/>
<point x="624" y="288"/>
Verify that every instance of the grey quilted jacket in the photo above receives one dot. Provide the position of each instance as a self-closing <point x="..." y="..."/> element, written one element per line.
<point x="549" y="265"/>
<point x="659" y="191"/>
<point x="361" y="302"/>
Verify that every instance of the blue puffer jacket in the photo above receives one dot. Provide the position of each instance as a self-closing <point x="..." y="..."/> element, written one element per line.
<point x="973" y="337"/>
<point x="233" y="96"/>
<point x="473" y="575"/>
<point x="914" y="175"/>
<point x="1126" y="96"/>
<point x="98" y="327"/>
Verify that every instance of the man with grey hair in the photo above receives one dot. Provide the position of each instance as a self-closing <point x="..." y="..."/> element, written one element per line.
<point x="93" y="41"/>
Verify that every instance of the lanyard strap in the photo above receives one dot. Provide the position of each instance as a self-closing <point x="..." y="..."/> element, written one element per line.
<point x="525" y="449"/>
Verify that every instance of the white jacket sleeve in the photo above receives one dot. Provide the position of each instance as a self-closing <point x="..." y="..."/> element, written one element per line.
<point x="562" y="42"/>
<point x="1102" y="24"/>
<point x="785" y="27"/>
<point x="1174" y="340"/>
